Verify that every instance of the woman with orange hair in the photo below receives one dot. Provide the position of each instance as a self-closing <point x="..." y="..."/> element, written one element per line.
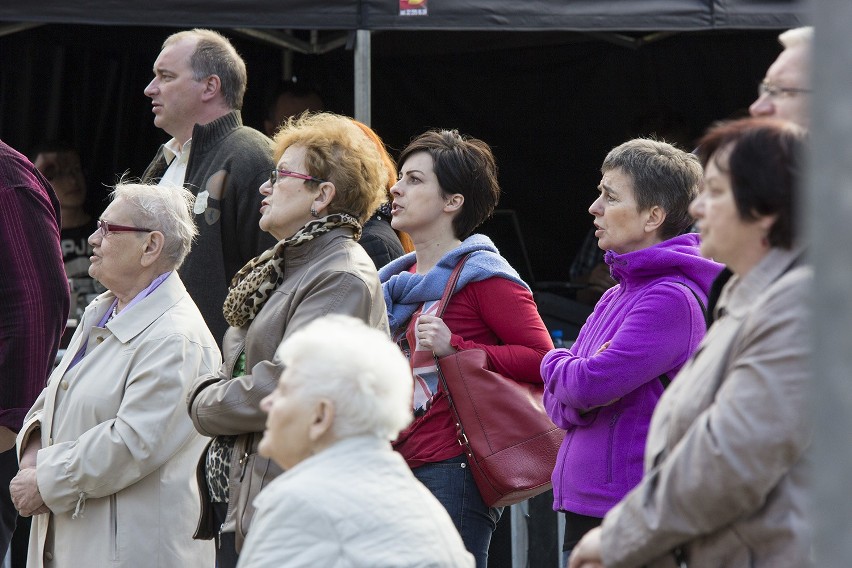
<point x="380" y="240"/>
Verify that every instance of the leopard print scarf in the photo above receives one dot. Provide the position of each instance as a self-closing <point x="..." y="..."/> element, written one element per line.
<point x="252" y="286"/>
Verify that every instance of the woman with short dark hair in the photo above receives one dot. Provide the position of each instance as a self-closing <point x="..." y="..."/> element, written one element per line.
<point x="726" y="480"/>
<point x="447" y="187"/>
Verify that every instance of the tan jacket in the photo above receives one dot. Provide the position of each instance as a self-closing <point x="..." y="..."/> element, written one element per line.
<point x="726" y="466"/>
<point x="117" y="446"/>
<point x="329" y="274"/>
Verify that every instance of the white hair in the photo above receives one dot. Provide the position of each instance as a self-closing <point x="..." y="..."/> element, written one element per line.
<point x="162" y="208"/>
<point x="797" y="36"/>
<point x="355" y="366"/>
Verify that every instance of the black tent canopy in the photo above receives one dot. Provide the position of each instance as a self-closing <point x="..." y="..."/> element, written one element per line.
<point x="502" y="15"/>
<point x="530" y="77"/>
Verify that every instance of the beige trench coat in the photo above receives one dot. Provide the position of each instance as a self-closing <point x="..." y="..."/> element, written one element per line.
<point x="726" y="458"/>
<point x="118" y="453"/>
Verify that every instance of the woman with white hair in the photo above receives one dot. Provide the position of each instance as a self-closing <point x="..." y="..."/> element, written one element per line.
<point x="107" y="452"/>
<point x="346" y="498"/>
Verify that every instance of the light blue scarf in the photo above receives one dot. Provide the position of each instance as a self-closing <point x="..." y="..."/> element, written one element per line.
<point x="405" y="291"/>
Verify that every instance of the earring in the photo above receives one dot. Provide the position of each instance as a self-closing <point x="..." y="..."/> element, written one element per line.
<point x="314" y="213"/>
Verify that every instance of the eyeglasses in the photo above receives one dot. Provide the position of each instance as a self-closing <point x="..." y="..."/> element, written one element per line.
<point x="106" y="228"/>
<point x="774" y="91"/>
<point x="276" y="175"/>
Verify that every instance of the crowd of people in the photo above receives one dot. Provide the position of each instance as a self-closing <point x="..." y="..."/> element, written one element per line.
<point x="252" y="377"/>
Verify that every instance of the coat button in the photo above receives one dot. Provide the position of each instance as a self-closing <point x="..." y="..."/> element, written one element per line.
<point x="48" y="556"/>
<point x="99" y="339"/>
<point x="64" y="385"/>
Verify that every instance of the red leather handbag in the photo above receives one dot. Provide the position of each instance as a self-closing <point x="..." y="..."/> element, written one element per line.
<point x="510" y="442"/>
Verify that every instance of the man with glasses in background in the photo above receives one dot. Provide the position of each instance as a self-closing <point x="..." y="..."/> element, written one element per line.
<point x="196" y="96"/>
<point x="784" y="93"/>
<point x="34" y="303"/>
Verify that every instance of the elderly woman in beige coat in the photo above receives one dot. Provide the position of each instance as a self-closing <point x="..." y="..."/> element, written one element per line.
<point x="726" y="474"/>
<point x="107" y="452"/>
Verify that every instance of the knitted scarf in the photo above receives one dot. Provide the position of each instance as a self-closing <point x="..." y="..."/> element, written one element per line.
<point x="405" y="291"/>
<point x="253" y="285"/>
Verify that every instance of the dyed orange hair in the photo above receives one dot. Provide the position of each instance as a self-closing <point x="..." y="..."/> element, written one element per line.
<point x="407" y="243"/>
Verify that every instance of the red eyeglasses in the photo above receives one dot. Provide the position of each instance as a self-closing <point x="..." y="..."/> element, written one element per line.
<point x="276" y="175"/>
<point x="107" y="228"/>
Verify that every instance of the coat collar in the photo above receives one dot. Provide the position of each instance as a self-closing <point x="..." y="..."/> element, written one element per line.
<point x="740" y="293"/>
<point x="142" y="314"/>
<point x="206" y="135"/>
<point x="308" y="251"/>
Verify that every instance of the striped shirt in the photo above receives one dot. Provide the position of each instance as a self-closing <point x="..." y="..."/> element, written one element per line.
<point x="33" y="287"/>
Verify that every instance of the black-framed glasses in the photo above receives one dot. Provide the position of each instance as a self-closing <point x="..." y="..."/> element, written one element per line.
<point x="774" y="91"/>
<point x="106" y="228"/>
<point x="276" y="174"/>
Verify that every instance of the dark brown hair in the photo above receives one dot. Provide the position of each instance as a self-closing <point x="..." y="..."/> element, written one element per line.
<point x="765" y="166"/>
<point x="462" y="165"/>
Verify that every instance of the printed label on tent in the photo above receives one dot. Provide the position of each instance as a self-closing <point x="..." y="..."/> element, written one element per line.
<point x="413" y="7"/>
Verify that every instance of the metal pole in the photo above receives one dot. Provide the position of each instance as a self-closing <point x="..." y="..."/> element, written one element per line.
<point x="829" y="211"/>
<point x="520" y="539"/>
<point x="362" y="76"/>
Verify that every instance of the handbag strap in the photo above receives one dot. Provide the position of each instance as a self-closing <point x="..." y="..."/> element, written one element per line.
<point x="445" y="298"/>
<point x="664" y="378"/>
<point x="450" y="287"/>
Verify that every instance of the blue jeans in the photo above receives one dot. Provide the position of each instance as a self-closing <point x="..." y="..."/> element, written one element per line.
<point x="451" y="482"/>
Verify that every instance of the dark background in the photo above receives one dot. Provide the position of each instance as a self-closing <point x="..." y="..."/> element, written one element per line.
<point x="550" y="104"/>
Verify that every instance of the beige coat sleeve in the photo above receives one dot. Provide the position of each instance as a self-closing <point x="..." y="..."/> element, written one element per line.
<point x="738" y="449"/>
<point x="150" y="428"/>
<point x="32" y="422"/>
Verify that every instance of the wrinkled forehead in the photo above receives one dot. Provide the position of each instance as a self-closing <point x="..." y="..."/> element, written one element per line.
<point x="791" y="69"/>
<point x="119" y="212"/>
<point x="176" y="54"/>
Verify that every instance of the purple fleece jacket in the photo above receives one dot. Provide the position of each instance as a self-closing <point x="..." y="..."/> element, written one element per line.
<point x="604" y="399"/>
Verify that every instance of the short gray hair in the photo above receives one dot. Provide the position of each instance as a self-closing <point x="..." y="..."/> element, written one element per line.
<point x="662" y="175"/>
<point x="358" y="368"/>
<point x="214" y="55"/>
<point x="797" y="36"/>
<point x="167" y="209"/>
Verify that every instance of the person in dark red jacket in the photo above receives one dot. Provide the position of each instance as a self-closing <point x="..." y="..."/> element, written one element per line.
<point x="447" y="187"/>
<point x="34" y="301"/>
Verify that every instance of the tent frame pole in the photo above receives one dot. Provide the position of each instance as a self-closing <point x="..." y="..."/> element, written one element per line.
<point x="362" y="76"/>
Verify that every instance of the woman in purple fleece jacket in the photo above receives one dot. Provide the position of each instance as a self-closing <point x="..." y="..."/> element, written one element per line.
<point x="603" y="389"/>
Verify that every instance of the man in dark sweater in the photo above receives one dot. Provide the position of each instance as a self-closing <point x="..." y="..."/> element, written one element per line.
<point x="196" y="96"/>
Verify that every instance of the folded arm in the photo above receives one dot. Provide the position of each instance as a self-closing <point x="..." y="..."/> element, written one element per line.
<point x="223" y="405"/>
<point x="649" y="342"/>
<point x="150" y="427"/>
